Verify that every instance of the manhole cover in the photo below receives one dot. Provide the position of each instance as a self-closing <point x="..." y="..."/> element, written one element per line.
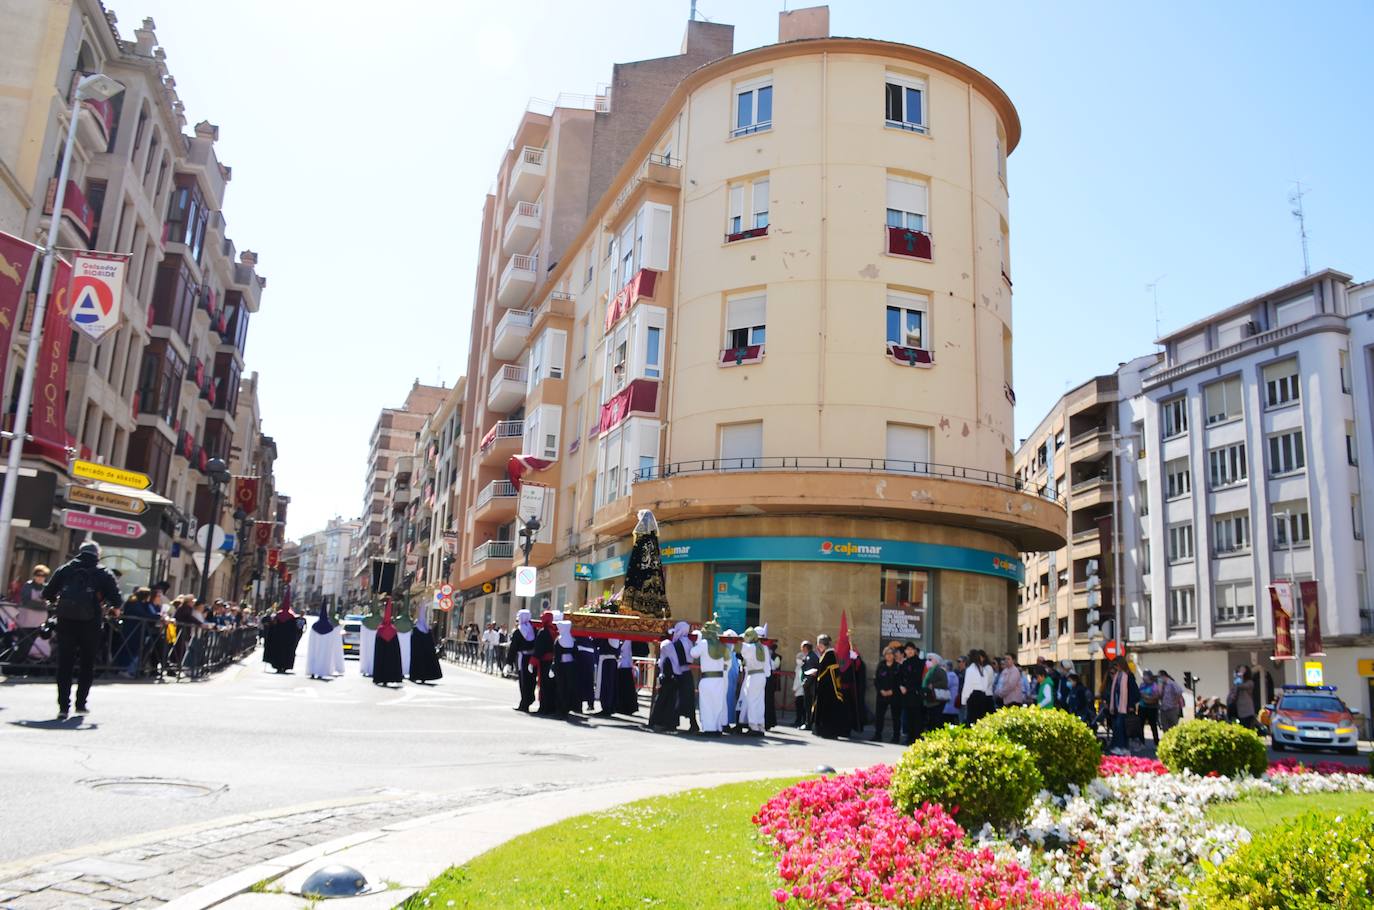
<point x="155" y="787"/>
<point x="557" y="756"/>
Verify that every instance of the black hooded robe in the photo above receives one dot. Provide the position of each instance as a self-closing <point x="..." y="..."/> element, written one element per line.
<point x="518" y="654"/>
<point x="830" y="718"/>
<point x="386" y="660"/>
<point x="424" y="657"/>
<point x="543" y="652"/>
<point x="279" y="648"/>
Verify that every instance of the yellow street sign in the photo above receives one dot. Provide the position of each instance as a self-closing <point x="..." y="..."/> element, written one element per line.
<point x="1366" y="666"/>
<point x="92" y="471"/>
<point x="87" y="496"/>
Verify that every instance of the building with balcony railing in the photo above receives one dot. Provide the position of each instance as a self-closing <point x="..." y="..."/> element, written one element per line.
<point x="819" y="414"/>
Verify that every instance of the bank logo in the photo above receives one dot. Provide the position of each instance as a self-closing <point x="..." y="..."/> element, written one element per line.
<point x="870" y="551"/>
<point x="1004" y="565"/>
<point x="680" y="551"/>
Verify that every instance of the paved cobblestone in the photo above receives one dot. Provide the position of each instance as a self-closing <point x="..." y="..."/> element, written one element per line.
<point x="216" y="853"/>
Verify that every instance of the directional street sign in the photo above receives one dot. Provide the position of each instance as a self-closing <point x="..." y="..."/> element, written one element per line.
<point x="101" y="524"/>
<point x="89" y="496"/>
<point x="110" y="474"/>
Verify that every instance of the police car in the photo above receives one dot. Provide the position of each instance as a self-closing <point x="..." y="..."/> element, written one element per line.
<point x="1312" y="717"/>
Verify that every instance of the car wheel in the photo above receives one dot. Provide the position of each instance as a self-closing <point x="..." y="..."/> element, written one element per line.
<point x="1276" y="745"/>
<point x="1350" y="750"/>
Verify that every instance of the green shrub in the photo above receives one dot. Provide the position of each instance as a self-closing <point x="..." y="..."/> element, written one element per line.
<point x="972" y="773"/>
<point x="1065" y="751"/>
<point x="1204" y="746"/>
<point x="1318" y="860"/>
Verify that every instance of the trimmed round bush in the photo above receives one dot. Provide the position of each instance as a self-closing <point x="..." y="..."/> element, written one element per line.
<point x="1065" y="751"/>
<point x="1208" y="746"/>
<point x="1318" y="860"/>
<point x="973" y="774"/>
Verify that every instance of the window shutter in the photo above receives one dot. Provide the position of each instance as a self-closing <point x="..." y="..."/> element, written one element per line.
<point x="551" y="418"/>
<point x="746" y="312"/>
<point x="557" y="346"/>
<point x="658" y="231"/>
<point x="741" y="441"/>
<point x="906" y="195"/>
<point x="736" y="203"/>
<point x="760" y="196"/>
<point x="908" y="443"/>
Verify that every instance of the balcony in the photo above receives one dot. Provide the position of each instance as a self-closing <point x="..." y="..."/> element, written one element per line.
<point x="495" y="502"/>
<point x="909" y="243"/>
<point x="76" y="211"/>
<point x="502" y="441"/>
<point x="640" y="287"/>
<point x="507" y="389"/>
<point x="560" y="303"/>
<point x="493" y="550"/>
<point x="522" y="228"/>
<point x="527" y="175"/>
<point x="511" y="333"/>
<point x="518" y="280"/>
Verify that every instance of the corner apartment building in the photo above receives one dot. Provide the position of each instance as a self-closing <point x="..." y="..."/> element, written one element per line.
<point x="785" y="327"/>
<point x="158" y="394"/>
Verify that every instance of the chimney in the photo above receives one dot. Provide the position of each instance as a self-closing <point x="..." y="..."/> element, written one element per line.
<point x="708" y="40"/>
<point x="812" y="22"/>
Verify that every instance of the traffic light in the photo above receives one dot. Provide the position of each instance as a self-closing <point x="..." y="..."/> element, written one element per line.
<point x="1189" y="680"/>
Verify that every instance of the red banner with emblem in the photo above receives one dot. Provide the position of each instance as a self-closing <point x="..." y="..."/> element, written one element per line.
<point x="1311" y="620"/>
<point x="1281" y="603"/>
<point x="262" y="533"/>
<point x="16" y="263"/>
<point x="273" y="558"/>
<point x="50" y="382"/>
<point x="246" y="494"/>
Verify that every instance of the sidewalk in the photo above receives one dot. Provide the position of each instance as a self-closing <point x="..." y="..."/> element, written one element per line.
<point x="404" y="856"/>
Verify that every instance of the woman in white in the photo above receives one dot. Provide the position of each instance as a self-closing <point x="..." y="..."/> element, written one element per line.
<point x="979" y="678"/>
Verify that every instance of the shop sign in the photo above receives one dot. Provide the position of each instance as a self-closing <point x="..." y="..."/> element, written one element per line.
<point x="1366" y="666"/>
<point x="582" y="571"/>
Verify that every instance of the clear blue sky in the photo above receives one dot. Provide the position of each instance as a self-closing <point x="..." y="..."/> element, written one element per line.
<point x="1159" y="140"/>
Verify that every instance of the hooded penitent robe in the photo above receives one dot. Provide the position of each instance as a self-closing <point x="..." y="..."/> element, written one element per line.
<point x="424" y="657"/>
<point x="830" y="717"/>
<point x="519" y="653"/>
<point x="676" y="694"/>
<point x="386" y="659"/>
<point x="283" y="634"/>
<point x="323" y="648"/>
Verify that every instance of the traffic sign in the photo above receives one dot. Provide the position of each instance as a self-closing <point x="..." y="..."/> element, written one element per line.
<point x="1312" y="670"/>
<point x="1112" y="649"/>
<point x="446" y="603"/>
<point x="90" y="496"/>
<point x="446" y="590"/>
<point x="438" y="596"/>
<point x="216" y="536"/>
<point x="110" y="474"/>
<point x="101" y="524"/>
<point x="525" y="579"/>
<point x="96" y="293"/>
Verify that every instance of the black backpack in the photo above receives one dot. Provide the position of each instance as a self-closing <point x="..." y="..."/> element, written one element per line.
<point x="79" y="597"/>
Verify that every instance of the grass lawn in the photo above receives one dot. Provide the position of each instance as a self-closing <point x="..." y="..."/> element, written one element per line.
<point x="1262" y="813"/>
<point x="688" y="851"/>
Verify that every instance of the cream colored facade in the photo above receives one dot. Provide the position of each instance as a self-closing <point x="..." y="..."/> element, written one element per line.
<point x="728" y="361"/>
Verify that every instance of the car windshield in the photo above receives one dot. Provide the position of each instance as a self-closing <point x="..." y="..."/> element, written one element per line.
<point x="350" y="627"/>
<point x="1310" y="703"/>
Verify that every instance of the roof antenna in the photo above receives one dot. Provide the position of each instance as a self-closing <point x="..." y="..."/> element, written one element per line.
<point x="1295" y="200"/>
<point x="693" y="16"/>
<point x="1153" y="289"/>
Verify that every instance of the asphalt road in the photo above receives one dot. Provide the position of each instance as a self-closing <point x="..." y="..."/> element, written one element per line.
<point x="250" y="740"/>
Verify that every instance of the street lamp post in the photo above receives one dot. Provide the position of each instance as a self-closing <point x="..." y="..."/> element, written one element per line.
<point x="240" y="522"/>
<point x="95" y="87"/>
<point x="527" y="535"/>
<point x="218" y="472"/>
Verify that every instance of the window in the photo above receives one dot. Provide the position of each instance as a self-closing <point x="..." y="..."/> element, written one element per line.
<point x="908" y="447"/>
<point x="1356" y="517"/>
<point x="1181" y="542"/>
<point x="546" y="357"/>
<point x="588" y="269"/>
<point x="653" y="353"/>
<point x="905" y="102"/>
<point x="1235" y="602"/>
<point x="736" y="592"/>
<point x="907" y="202"/>
<point x="1231" y="533"/>
<point x="753" y="107"/>
<point x="1286" y="453"/>
<point x="906" y="321"/>
<point x="1291" y="524"/>
<point x="741" y="445"/>
<point x="1226" y="466"/>
<point x="745" y="320"/>
<point x="1182" y="608"/>
<point x="1144" y="499"/>
<point x="642" y="243"/>
<point x="1177" y="478"/>
<point x="1145" y="556"/>
<point x="1280" y="383"/>
<point x="748" y="210"/>
<point x="1294" y="311"/>
<point x="1175" y="417"/>
<point x="617" y="367"/>
<point x="1345" y="371"/>
<point x="1223" y="400"/>
<point x="904" y="600"/>
<point x="1351" y="447"/>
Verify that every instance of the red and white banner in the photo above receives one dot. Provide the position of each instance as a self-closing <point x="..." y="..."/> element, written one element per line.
<point x="16" y="263"/>
<point x="246" y="494"/>
<point x="262" y="533"/>
<point x="50" y="382"/>
<point x="273" y="558"/>
<point x="520" y="465"/>
<point x="1311" y="620"/>
<point x="1281" y="603"/>
<point x="97" y="292"/>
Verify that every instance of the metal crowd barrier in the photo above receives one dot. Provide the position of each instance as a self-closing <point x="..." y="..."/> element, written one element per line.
<point x="466" y="652"/>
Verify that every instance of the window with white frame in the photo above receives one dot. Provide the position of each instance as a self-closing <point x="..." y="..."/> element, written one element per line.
<point x="1234" y="602"/>
<point x="904" y="100"/>
<point x="617" y="374"/>
<point x="1345" y="370"/>
<point x="1294" y="311"/>
<point x="653" y="352"/>
<point x="908" y="203"/>
<point x="908" y="447"/>
<point x="546" y="357"/>
<point x="1351" y="446"/>
<point x="1181" y="542"/>
<point x="542" y="427"/>
<point x="748" y="201"/>
<point x="1231" y="533"/>
<point x="1145" y="556"/>
<point x="1281" y="383"/>
<point x="1144" y="499"/>
<point x="1291" y="523"/>
<point x="746" y="320"/>
<point x="741" y="445"/>
<point x="753" y="106"/>
<point x="1356" y="517"/>
<point x="908" y="320"/>
<point x="1226" y="466"/>
<point x="1223" y="400"/>
<point x="1182" y="608"/>
<point x="1286" y="453"/>
<point x="1178" y="479"/>
<point x="1175" y="413"/>
<point x="642" y="243"/>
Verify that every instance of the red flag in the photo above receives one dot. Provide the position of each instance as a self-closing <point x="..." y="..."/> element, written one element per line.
<point x="842" y="643"/>
<point x="262" y="533"/>
<point x="1311" y="620"/>
<point x="16" y="262"/>
<point x="520" y="465"/>
<point x="50" y="382"/>
<point x="1281" y="603"/>
<point x="273" y="558"/>
<point x="246" y="494"/>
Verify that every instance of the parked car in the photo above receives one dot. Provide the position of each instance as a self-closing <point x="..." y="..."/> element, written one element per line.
<point x="352" y="627"/>
<point x="1313" y="717"/>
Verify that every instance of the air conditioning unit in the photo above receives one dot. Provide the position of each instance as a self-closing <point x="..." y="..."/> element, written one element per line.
<point x="1253" y="328"/>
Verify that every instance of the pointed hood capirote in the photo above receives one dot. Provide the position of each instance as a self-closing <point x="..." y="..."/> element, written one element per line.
<point x="322" y="626"/>
<point x="422" y="620"/>
<point x="565" y="636"/>
<point x="386" y="631"/>
<point x="522" y="620"/>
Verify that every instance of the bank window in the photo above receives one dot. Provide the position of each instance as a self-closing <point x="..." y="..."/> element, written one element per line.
<point x="1281" y="384"/>
<point x="905" y="102"/>
<point x="736" y="594"/>
<point x="753" y="107"/>
<point x="1223" y="400"/>
<point x="748" y="215"/>
<point x="1181" y="542"/>
<point x="745" y="321"/>
<point x="1286" y="453"/>
<point x="1231" y="533"/>
<point x="1182" y="608"/>
<point x="1226" y="466"/>
<point x="904" y="601"/>
<point x="907" y="321"/>
<point x="1175" y="417"/>
<point x="1291" y="524"/>
<point x="1235" y="602"/>
<point x="1177" y="478"/>
<point x="741" y="445"/>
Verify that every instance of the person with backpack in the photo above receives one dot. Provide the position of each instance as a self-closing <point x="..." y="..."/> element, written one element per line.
<point x="80" y="588"/>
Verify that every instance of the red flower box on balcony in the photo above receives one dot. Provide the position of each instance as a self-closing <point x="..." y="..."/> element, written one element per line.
<point x="915" y="357"/>
<point x="906" y="242"/>
<point x="733" y="357"/>
<point x="745" y="235"/>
